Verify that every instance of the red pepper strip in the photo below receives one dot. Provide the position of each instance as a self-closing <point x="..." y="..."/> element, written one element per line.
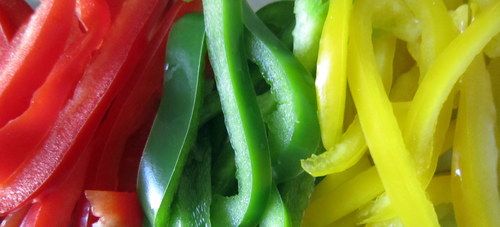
<point x="15" y="218"/>
<point x="82" y="214"/>
<point x="4" y="41"/>
<point x="115" y="208"/>
<point x="55" y="207"/>
<point x="33" y="54"/>
<point x="22" y="134"/>
<point x="76" y="123"/>
<point x="124" y="118"/>
<point x="13" y="14"/>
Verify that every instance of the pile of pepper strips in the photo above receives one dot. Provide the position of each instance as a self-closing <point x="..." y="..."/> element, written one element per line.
<point x="75" y="129"/>
<point x="225" y="146"/>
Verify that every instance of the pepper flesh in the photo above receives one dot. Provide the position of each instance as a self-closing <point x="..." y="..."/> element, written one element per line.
<point x="244" y="122"/>
<point x="163" y="159"/>
<point x="293" y="125"/>
<point x="100" y="83"/>
<point x="396" y="168"/>
<point x="331" y="78"/>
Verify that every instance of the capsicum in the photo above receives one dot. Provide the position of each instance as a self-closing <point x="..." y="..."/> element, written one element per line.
<point x="293" y="125"/>
<point x="177" y="119"/>
<point x="245" y="126"/>
<point x="79" y="118"/>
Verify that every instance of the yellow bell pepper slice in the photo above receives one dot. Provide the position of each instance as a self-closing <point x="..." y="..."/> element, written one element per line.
<point x="331" y="79"/>
<point x="474" y="186"/>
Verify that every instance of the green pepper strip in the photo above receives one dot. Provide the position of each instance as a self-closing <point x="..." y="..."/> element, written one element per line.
<point x="309" y="19"/>
<point x="393" y="161"/>
<point x="475" y="152"/>
<point x="331" y="79"/>
<point x="191" y="206"/>
<point x="276" y="213"/>
<point x="163" y="159"/>
<point x="243" y="119"/>
<point x="293" y="126"/>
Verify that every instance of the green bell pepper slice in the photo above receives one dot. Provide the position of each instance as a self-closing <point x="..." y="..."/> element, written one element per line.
<point x="176" y="124"/>
<point x="245" y="127"/>
<point x="310" y="16"/>
<point x="293" y="125"/>
<point x="280" y="19"/>
<point x="191" y="206"/>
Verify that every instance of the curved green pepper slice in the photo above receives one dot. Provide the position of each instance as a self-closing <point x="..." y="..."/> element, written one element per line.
<point x="247" y="134"/>
<point x="293" y="126"/>
<point x="176" y="124"/>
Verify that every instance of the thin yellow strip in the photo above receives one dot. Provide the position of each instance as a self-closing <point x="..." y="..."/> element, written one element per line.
<point x="474" y="186"/>
<point x="396" y="168"/>
<point x="331" y="71"/>
<point x="440" y="80"/>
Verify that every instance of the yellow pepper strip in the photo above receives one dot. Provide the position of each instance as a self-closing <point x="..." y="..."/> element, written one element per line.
<point x="331" y="79"/>
<point x="341" y="156"/>
<point x="440" y="80"/>
<point x="395" y="17"/>
<point x="437" y="30"/>
<point x="384" y="46"/>
<point x="381" y="208"/>
<point x="333" y="181"/>
<point x="395" y="222"/>
<point x="474" y="186"/>
<point x="344" y="199"/>
<point x="449" y="138"/>
<point x="460" y="17"/>
<point x="392" y="159"/>
<point x="494" y="69"/>
<point x="439" y="191"/>
<point x="348" y="221"/>
<point x="405" y="86"/>
<point x="348" y="151"/>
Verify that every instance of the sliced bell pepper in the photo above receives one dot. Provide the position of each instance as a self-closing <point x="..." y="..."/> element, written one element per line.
<point x="293" y="125"/>
<point x="13" y="14"/>
<point x="331" y="78"/>
<point x="16" y="142"/>
<point x="394" y="163"/>
<point x="191" y="206"/>
<point x="115" y="208"/>
<point x="60" y="200"/>
<point x="280" y="19"/>
<point x="128" y="112"/>
<point x="33" y="53"/>
<point x="224" y="28"/>
<point x="475" y="152"/>
<point x="309" y="19"/>
<point x="276" y="213"/>
<point x="76" y="122"/>
<point x="14" y="219"/>
<point x="296" y="195"/>
<point x="177" y="119"/>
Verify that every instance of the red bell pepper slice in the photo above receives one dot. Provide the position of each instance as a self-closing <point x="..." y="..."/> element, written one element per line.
<point x="75" y="124"/>
<point x="130" y="110"/>
<point x="55" y="207"/>
<point x="33" y="53"/>
<point x="115" y="208"/>
<point x="126" y="114"/>
<point x="22" y="134"/>
<point x="13" y="14"/>
<point x="15" y="218"/>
